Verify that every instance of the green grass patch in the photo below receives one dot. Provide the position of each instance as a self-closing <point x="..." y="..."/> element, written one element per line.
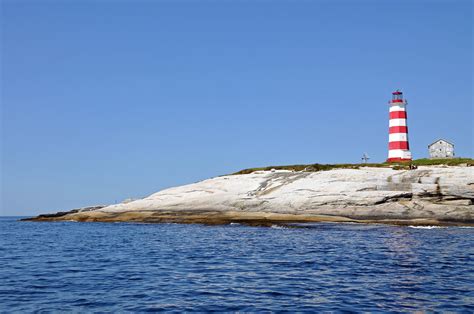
<point x="396" y="166"/>
<point x="448" y="162"/>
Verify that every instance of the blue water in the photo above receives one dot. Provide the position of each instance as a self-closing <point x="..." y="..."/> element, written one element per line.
<point x="67" y="266"/>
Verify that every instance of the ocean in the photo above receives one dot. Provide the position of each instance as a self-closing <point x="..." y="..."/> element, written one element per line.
<point x="109" y="267"/>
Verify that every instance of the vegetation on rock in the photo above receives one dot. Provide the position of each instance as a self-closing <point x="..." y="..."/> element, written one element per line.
<point x="396" y="166"/>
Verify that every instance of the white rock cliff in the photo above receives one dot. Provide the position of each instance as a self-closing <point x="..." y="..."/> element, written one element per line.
<point x="433" y="193"/>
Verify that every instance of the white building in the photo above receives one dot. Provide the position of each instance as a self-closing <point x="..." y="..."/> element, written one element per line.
<point x="441" y="149"/>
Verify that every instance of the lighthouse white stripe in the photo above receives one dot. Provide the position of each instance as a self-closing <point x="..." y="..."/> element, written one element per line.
<point x="397" y="108"/>
<point x="397" y="122"/>
<point x="395" y="153"/>
<point x="399" y="153"/>
<point x="397" y="137"/>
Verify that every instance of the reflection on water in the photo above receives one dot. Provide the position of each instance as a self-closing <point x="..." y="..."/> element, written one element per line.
<point x="138" y="267"/>
<point x="402" y="248"/>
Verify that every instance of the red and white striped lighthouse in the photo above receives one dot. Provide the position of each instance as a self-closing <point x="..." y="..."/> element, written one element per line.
<point x="398" y="147"/>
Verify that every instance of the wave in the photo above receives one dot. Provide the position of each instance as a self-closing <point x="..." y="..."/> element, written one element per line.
<point x="278" y="227"/>
<point x="440" y="227"/>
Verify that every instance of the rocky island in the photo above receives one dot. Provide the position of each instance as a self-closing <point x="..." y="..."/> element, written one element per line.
<point x="427" y="195"/>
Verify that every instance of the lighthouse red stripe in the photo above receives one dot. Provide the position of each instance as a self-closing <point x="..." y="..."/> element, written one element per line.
<point x="398" y="129"/>
<point x="398" y="115"/>
<point x="397" y="100"/>
<point x="398" y="145"/>
<point x="398" y="159"/>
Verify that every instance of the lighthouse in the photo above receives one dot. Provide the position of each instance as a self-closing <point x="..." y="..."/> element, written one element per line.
<point x="398" y="147"/>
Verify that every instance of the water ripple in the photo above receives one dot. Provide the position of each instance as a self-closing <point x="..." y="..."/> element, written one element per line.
<point x="101" y="267"/>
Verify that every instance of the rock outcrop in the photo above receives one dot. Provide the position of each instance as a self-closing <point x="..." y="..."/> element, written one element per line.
<point x="427" y="195"/>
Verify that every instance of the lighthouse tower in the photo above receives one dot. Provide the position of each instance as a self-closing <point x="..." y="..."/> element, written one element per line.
<point x="398" y="148"/>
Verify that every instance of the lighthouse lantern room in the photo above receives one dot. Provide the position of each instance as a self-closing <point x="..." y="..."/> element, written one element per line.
<point x="398" y="147"/>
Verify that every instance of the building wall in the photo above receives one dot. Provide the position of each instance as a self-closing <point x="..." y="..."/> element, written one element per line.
<point x="441" y="149"/>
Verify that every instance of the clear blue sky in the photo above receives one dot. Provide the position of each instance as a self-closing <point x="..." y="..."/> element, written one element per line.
<point x="105" y="100"/>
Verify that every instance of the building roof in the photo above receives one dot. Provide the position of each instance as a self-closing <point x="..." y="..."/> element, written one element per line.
<point x="440" y="139"/>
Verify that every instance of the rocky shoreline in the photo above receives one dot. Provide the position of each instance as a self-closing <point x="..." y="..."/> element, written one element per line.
<point x="429" y="195"/>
